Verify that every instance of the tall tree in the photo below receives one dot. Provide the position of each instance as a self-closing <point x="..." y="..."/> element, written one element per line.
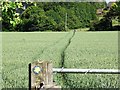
<point x="9" y="16"/>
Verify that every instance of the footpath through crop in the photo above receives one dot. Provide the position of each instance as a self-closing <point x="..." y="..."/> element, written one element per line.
<point x="55" y="53"/>
<point x="64" y="77"/>
<point x="63" y="52"/>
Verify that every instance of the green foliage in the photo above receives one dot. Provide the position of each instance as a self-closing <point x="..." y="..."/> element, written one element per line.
<point x="99" y="5"/>
<point x="43" y="16"/>
<point x="58" y="18"/>
<point x="36" y="19"/>
<point x="118" y="11"/>
<point x="106" y="22"/>
<point x="73" y="21"/>
<point x="52" y="16"/>
<point x="9" y="16"/>
<point x="33" y="19"/>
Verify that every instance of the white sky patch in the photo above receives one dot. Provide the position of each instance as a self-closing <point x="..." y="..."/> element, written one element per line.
<point x="107" y="1"/>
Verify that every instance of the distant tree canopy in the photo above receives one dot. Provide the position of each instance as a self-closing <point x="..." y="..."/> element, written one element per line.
<point x="106" y="22"/>
<point x="52" y="16"/>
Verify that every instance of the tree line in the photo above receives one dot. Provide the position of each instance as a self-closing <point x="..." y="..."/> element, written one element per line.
<point x="48" y="16"/>
<point x="105" y="24"/>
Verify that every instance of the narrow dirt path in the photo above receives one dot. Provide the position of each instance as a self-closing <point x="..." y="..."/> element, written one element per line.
<point x="63" y="52"/>
<point x="64" y="76"/>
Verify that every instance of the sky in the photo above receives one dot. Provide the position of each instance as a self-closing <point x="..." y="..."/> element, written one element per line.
<point x="109" y="0"/>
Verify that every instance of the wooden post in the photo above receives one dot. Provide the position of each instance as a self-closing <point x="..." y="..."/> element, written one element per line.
<point x="42" y="75"/>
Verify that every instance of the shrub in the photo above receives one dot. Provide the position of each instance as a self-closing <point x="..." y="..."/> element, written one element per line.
<point x="104" y="24"/>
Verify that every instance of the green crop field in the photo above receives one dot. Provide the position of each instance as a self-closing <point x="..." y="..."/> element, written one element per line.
<point x="92" y="50"/>
<point x="80" y="50"/>
<point x="20" y="49"/>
